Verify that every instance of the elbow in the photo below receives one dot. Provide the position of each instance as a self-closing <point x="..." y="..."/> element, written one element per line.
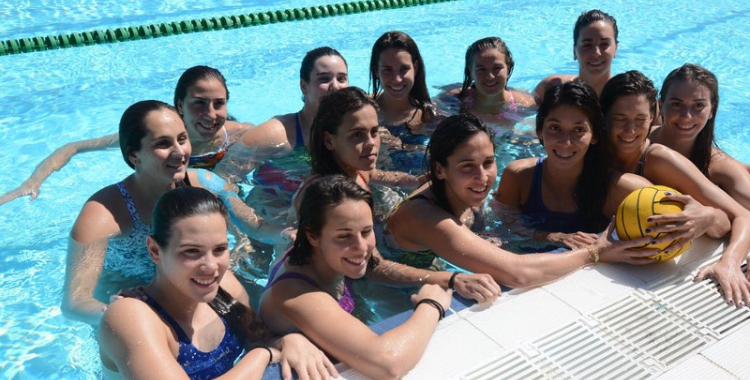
<point x="390" y="366"/>
<point x="518" y="279"/>
<point x="68" y="309"/>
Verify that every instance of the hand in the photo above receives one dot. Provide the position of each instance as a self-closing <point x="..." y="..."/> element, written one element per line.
<point x="574" y="240"/>
<point x="434" y="292"/>
<point x="625" y="251"/>
<point x="694" y="220"/>
<point x="480" y="287"/>
<point x="734" y="284"/>
<point x="298" y="353"/>
<point x="26" y="188"/>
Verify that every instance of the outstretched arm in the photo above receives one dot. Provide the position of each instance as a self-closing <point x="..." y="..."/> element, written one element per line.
<point x="54" y="162"/>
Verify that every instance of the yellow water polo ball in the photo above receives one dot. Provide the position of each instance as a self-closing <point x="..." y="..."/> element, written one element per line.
<point x="632" y="216"/>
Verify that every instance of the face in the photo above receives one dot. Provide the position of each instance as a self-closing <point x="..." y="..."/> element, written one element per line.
<point x="490" y="73"/>
<point x="165" y="149"/>
<point x="329" y="74"/>
<point x="471" y="171"/>
<point x="204" y="109"/>
<point x="686" y="109"/>
<point x="357" y="141"/>
<point x="629" y="122"/>
<point x="196" y="256"/>
<point x="567" y="134"/>
<point x="595" y="48"/>
<point x="347" y="239"/>
<point x="396" y="72"/>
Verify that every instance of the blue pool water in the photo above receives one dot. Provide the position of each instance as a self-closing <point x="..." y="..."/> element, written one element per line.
<point x="59" y="96"/>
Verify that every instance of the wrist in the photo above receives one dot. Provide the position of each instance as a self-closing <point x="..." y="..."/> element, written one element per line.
<point x="434" y="304"/>
<point x="452" y="281"/>
<point x="593" y="254"/>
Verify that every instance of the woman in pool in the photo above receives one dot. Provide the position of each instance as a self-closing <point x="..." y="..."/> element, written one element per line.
<point x="106" y="251"/>
<point x="570" y="195"/>
<point x="397" y="76"/>
<point x="323" y="71"/>
<point x="628" y="102"/>
<point x="195" y="320"/>
<point x="689" y="100"/>
<point x="594" y="47"/>
<point x="436" y="219"/>
<point x="345" y="141"/>
<point x="485" y="92"/>
<point x="201" y="97"/>
<point x="309" y="291"/>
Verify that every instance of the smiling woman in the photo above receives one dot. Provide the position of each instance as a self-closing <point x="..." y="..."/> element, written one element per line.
<point x="595" y="39"/>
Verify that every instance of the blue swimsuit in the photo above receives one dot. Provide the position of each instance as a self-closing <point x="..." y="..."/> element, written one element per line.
<point x="128" y="255"/>
<point x="196" y="363"/>
<point x="539" y="217"/>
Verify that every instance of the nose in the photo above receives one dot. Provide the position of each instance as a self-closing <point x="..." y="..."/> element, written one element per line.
<point x="209" y="262"/>
<point x="210" y="110"/>
<point x="362" y="243"/>
<point x="335" y="86"/>
<point x="372" y="140"/>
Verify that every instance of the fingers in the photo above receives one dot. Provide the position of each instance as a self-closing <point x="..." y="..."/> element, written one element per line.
<point x="682" y="198"/>
<point x="330" y="367"/>
<point x="286" y="370"/>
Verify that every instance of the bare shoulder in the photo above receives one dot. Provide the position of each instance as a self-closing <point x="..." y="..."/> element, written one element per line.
<point x="523" y="98"/>
<point x="235" y="129"/>
<point x="232" y="285"/>
<point x="102" y="216"/>
<point x="272" y="131"/>
<point x="518" y="167"/>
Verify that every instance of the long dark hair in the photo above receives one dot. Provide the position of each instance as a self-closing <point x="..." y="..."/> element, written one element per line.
<point x="329" y="117"/>
<point x="419" y="96"/>
<point x="705" y="141"/>
<point x="308" y="62"/>
<point x="133" y="126"/>
<point x="590" y="192"/>
<point x="450" y="134"/>
<point x="318" y="197"/>
<point x="478" y="47"/>
<point x="184" y="202"/>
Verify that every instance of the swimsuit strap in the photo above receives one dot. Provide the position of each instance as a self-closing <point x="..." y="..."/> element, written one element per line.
<point x="132" y="210"/>
<point x="367" y="187"/>
<point x="167" y="318"/>
<point x="300" y="142"/>
<point x="210" y="159"/>
<point x="512" y="107"/>
<point x="640" y="167"/>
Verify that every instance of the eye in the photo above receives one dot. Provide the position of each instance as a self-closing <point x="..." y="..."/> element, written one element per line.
<point x="324" y="78"/>
<point x="343" y="78"/>
<point x="489" y="162"/>
<point x="700" y="106"/>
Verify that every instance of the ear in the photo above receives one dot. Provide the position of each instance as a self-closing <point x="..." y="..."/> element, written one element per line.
<point x="539" y="136"/>
<point x="439" y="171"/>
<point x="133" y="158"/>
<point x="303" y="87"/>
<point x="575" y="56"/>
<point x="615" y="54"/>
<point x="314" y="241"/>
<point x="327" y="140"/>
<point x="153" y="250"/>
<point x="593" y="141"/>
<point x="179" y="106"/>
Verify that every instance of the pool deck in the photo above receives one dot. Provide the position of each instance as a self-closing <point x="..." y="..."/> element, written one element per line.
<point x="601" y="322"/>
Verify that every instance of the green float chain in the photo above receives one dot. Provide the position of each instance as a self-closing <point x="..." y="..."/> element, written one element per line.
<point x="28" y="45"/>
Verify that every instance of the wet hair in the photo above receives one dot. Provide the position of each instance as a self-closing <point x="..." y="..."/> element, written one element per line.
<point x="478" y="47"/>
<point x="184" y="202"/>
<point x="449" y="135"/>
<point x="628" y="83"/>
<point x="419" y="96"/>
<point x="591" y="187"/>
<point x="308" y="62"/>
<point x="133" y="126"/>
<point x="320" y="196"/>
<point x="589" y="17"/>
<point x="192" y="75"/>
<point x="705" y="141"/>
<point x="333" y="107"/>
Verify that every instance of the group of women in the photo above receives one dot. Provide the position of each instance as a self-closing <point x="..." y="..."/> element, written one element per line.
<point x="165" y="227"/>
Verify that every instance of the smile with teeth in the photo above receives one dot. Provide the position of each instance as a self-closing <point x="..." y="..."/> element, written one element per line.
<point x="596" y="63"/>
<point x="479" y="189"/>
<point x="628" y="139"/>
<point x="397" y="88"/>
<point x="564" y="155"/>
<point x="176" y="165"/>
<point x="204" y="281"/>
<point x="208" y="127"/>
<point x="356" y="262"/>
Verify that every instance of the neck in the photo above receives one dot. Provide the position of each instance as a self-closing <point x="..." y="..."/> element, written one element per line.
<point x="328" y="279"/>
<point x="176" y="304"/>
<point x="458" y="208"/>
<point x="210" y="145"/>
<point x="627" y="162"/>
<point x="596" y="82"/>
<point x="662" y="136"/>
<point x="146" y="189"/>
<point x="490" y="105"/>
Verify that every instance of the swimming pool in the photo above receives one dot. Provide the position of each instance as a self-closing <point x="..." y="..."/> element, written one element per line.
<point x="59" y="96"/>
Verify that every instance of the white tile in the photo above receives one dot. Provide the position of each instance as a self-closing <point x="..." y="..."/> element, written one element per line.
<point x="516" y="318"/>
<point x="696" y="367"/>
